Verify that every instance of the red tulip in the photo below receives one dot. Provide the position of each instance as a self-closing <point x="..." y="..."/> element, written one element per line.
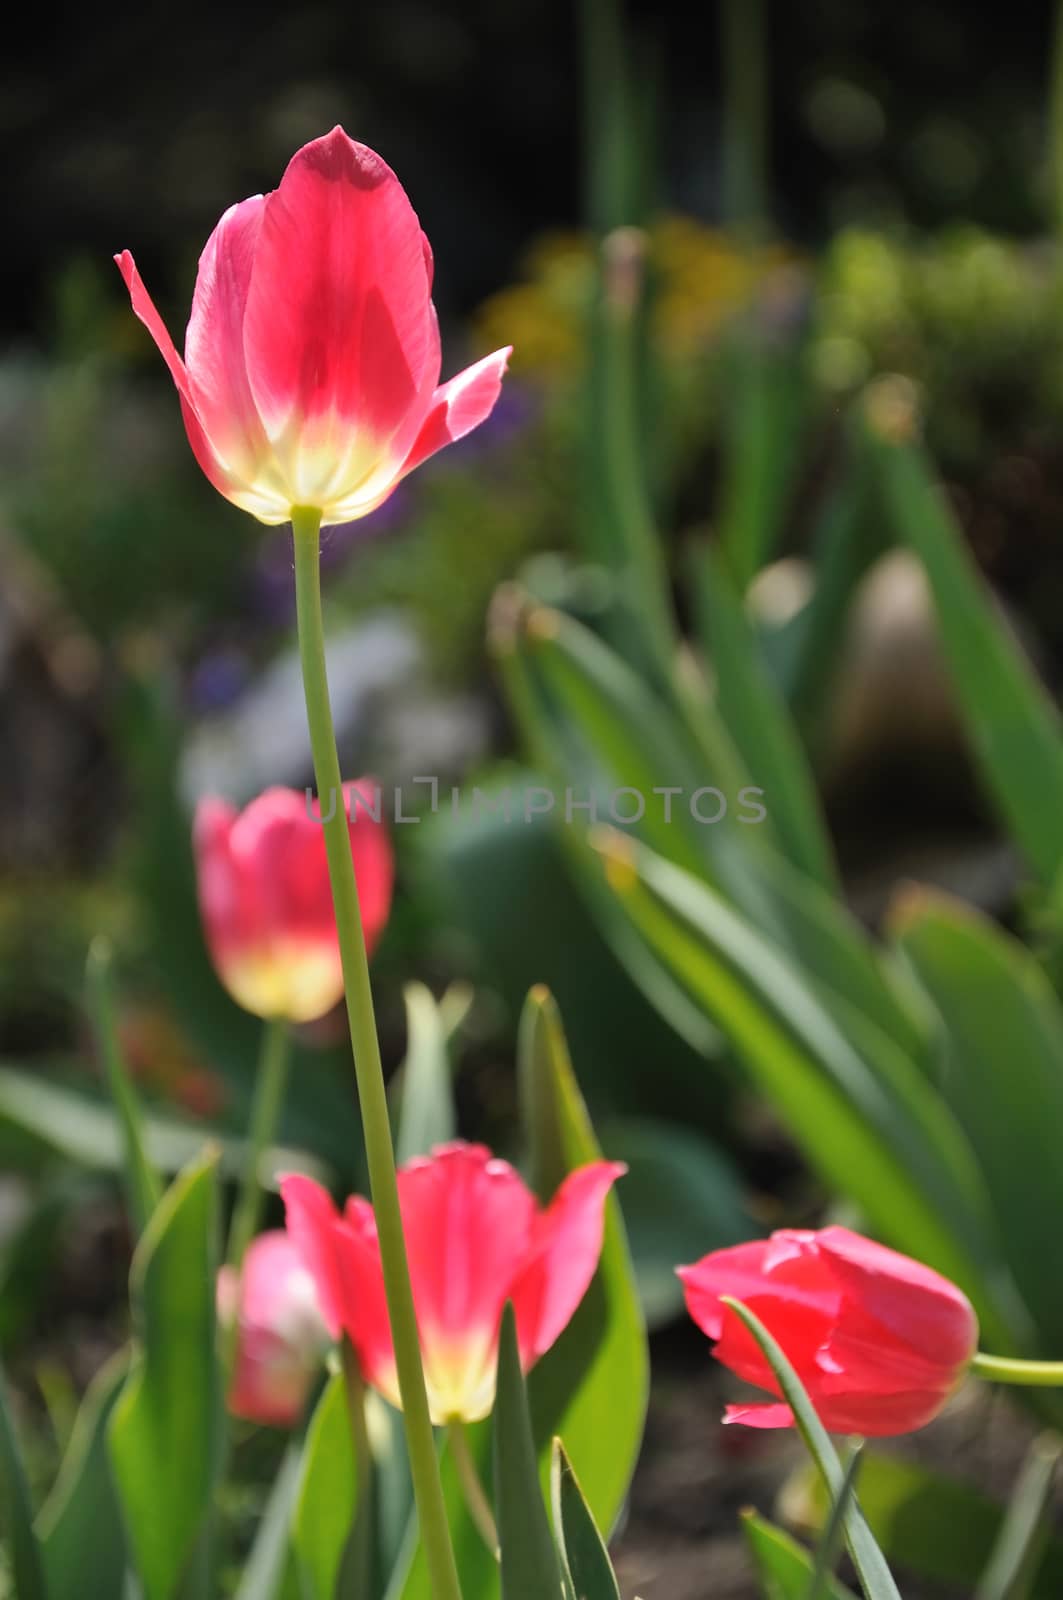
<point x="879" y="1341"/>
<point x="312" y="358"/>
<point x="475" y="1237"/>
<point x="281" y="1335"/>
<point x="266" y="903"/>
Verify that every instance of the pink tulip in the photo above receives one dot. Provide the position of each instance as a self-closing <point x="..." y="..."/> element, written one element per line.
<point x="266" y="903"/>
<point x="281" y="1335"/>
<point x="879" y="1341"/>
<point x="312" y="356"/>
<point x="476" y="1237"/>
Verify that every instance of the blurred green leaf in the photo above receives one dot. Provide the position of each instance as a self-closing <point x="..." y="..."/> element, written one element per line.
<point x="26" y="1555"/>
<point x="142" y="1185"/>
<point x="1013" y="725"/>
<point x="870" y="1123"/>
<point x="1024" y="1533"/>
<point x="755" y="717"/>
<point x="327" y="1494"/>
<point x="83" y="1543"/>
<point x="931" y="1525"/>
<point x="427" y="1115"/>
<point x="763" y="426"/>
<point x="70" y="1122"/>
<point x="784" y="1567"/>
<point x="1004" y="1076"/>
<point x="528" y="1560"/>
<point x="681" y="1197"/>
<point x="591" y="1388"/>
<point x="867" y="1557"/>
<point x="164" y="1431"/>
<point x="583" y="1553"/>
<point x="269" y="1561"/>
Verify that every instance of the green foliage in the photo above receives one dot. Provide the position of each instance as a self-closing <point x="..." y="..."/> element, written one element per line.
<point x="164" y="1429"/>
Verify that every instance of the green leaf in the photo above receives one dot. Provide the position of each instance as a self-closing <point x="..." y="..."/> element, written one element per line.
<point x="66" y="1121"/>
<point x="164" y="1430"/>
<point x="749" y="704"/>
<point x="1012" y="723"/>
<point x="1004" y="1029"/>
<point x="866" y="1556"/>
<point x="930" y="1525"/>
<point x="83" y="1542"/>
<point x="583" y="1553"/>
<point x="870" y="1122"/>
<point x="427" y="1114"/>
<point x="327" y="1494"/>
<point x="680" y="1198"/>
<point x="142" y="1185"/>
<point x="784" y="1567"/>
<point x="18" y="1511"/>
<point x="269" y="1559"/>
<point x="1024" y="1533"/>
<point x="591" y="1389"/>
<point x="527" y="1557"/>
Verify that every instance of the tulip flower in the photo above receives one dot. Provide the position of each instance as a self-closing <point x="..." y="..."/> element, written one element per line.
<point x="476" y="1237"/>
<point x="879" y="1341"/>
<point x="312" y="360"/>
<point x="266" y="903"/>
<point x="281" y="1336"/>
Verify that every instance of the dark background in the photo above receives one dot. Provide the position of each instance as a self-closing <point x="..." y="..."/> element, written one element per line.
<point x="136" y="126"/>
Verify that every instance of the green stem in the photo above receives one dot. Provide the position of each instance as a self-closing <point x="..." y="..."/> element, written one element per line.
<point x="420" y="1442"/>
<point x="1006" y="1369"/>
<point x="270" y="1082"/>
<point x="471" y="1487"/>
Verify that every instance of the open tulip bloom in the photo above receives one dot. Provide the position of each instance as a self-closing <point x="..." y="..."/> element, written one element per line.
<point x="476" y="1237"/>
<point x="266" y="903"/>
<point x="879" y="1341"/>
<point x="312" y="359"/>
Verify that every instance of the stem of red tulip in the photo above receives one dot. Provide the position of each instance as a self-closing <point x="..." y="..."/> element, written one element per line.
<point x="270" y="1083"/>
<point x="471" y="1487"/>
<point x="417" y="1422"/>
<point x="1007" y="1369"/>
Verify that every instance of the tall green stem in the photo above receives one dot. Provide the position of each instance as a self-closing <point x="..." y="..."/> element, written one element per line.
<point x="1006" y="1369"/>
<point x="424" y="1464"/>
<point x="270" y="1083"/>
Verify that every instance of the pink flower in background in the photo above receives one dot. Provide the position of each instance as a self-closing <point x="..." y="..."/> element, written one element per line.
<point x="878" y="1340"/>
<point x="266" y="903"/>
<point x="281" y="1334"/>
<point x="312" y="357"/>
<point x="476" y="1237"/>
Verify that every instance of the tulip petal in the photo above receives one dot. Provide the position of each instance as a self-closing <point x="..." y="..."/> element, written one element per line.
<point x="214" y="343"/>
<point x="338" y="326"/>
<point x="917" y="1305"/>
<point x="566" y="1248"/>
<point x="458" y="406"/>
<point x="312" y="1222"/>
<point x="755" y="1416"/>
<point x="144" y="309"/>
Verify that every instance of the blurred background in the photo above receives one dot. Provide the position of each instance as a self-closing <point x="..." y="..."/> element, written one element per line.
<point x="825" y="196"/>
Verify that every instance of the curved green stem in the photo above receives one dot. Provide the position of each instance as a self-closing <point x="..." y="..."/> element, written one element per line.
<point x="1007" y="1369"/>
<point x="471" y="1487"/>
<point x="424" y="1464"/>
<point x="270" y="1083"/>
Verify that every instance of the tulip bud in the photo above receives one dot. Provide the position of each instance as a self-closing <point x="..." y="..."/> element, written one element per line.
<point x="281" y="1336"/>
<point x="266" y="903"/>
<point x="879" y="1341"/>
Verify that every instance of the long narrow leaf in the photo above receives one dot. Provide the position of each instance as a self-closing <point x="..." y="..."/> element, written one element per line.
<point x="1017" y="1553"/>
<point x="867" y="1557"/>
<point x="18" y="1511"/>
<point x="527" y="1556"/>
